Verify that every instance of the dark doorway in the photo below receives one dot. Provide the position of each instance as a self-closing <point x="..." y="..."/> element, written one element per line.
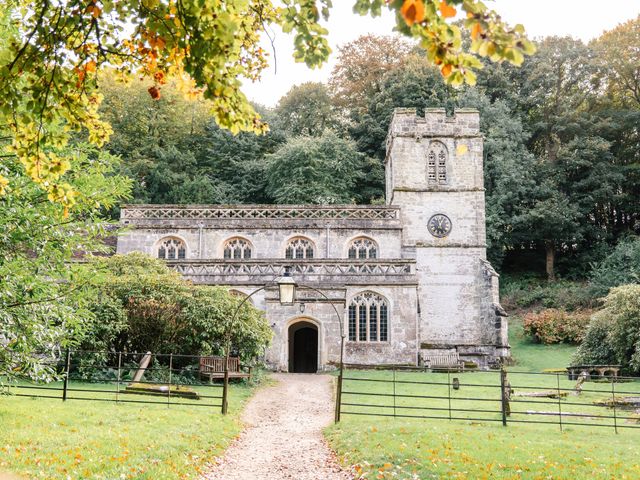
<point x="303" y="348"/>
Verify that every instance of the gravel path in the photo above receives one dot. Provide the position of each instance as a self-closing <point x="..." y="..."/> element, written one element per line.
<point x="283" y="435"/>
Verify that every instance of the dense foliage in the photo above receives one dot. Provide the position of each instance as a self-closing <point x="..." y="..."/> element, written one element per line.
<point x="144" y="306"/>
<point x="613" y="336"/>
<point x="620" y="267"/>
<point x="46" y="297"/>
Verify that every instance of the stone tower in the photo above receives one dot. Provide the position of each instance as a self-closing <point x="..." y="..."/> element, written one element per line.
<point x="434" y="173"/>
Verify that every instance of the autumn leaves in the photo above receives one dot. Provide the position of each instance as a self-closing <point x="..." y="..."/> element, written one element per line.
<point x="431" y="21"/>
<point x="413" y="11"/>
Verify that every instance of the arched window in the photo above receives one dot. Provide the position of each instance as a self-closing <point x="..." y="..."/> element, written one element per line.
<point x="240" y="295"/>
<point x="368" y="318"/>
<point x="362" y="248"/>
<point x="237" y="248"/>
<point x="171" y="249"/>
<point x="437" y="164"/>
<point x="299" y="248"/>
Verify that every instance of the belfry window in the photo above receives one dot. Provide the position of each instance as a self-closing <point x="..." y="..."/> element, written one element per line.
<point x="363" y="248"/>
<point x="368" y="318"/>
<point x="437" y="164"/>
<point x="237" y="248"/>
<point x="172" y="249"/>
<point x="299" y="248"/>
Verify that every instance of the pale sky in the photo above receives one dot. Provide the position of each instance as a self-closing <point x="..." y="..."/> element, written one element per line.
<point x="584" y="19"/>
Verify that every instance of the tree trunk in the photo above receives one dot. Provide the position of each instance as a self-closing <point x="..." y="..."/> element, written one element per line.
<point x="551" y="259"/>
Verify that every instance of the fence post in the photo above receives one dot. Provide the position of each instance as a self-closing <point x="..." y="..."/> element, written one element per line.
<point x="170" y="379"/>
<point x="613" y="401"/>
<point x="339" y="396"/>
<point x="559" y="401"/>
<point x="503" y="394"/>
<point x="119" y="377"/>
<point x="449" y="391"/>
<point x="67" y="367"/>
<point x="225" y="385"/>
<point x="394" y="392"/>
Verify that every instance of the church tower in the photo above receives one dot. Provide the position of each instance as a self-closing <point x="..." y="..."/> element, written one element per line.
<point x="434" y="173"/>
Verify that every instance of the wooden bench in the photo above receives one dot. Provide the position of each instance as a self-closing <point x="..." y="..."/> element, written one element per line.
<point x="213" y="367"/>
<point x="443" y="361"/>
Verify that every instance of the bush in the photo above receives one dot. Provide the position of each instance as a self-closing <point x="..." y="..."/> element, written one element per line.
<point x="621" y="267"/>
<point x="144" y="306"/>
<point x="613" y="337"/>
<point x="557" y="326"/>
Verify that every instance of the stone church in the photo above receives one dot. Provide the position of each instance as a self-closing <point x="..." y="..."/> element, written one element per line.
<point x="406" y="278"/>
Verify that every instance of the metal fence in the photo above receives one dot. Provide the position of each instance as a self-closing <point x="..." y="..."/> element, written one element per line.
<point x="168" y="379"/>
<point x="489" y="396"/>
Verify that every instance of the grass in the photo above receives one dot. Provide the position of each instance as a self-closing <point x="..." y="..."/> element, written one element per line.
<point x="48" y="438"/>
<point x="535" y="357"/>
<point x="475" y="445"/>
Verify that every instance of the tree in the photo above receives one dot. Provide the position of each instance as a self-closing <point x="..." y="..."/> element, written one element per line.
<point x="619" y="61"/>
<point x="305" y="110"/>
<point x="415" y="85"/>
<point x="314" y="170"/>
<point x="176" y="152"/>
<point x="45" y="297"/>
<point x="558" y="85"/>
<point x="620" y="267"/>
<point x="614" y="333"/>
<point x="145" y="306"/>
<point x="361" y="66"/>
<point x="508" y="172"/>
<point x="49" y="65"/>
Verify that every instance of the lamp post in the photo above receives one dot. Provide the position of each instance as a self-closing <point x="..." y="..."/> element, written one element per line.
<point x="287" y="288"/>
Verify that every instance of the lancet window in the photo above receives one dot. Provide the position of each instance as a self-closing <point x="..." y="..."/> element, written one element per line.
<point x="368" y="318"/>
<point x="363" y="248"/>
<point x="299" y="248"/>
<point x="437" y="159"/>
<point x="172" y="249"/>
<point x="237" y="248"/>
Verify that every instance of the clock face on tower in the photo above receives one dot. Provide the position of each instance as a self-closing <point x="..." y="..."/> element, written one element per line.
<point x="439" y="225"/>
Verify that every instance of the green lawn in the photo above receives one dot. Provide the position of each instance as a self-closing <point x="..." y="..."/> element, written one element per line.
<point x="48" y="438"/>
<point x="535" y="357"/>
<point x="476" y="445"/>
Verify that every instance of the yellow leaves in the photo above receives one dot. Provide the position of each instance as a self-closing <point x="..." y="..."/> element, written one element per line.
<point x="4" y="185"/>
<point x="446" y="10"/>
<point x="63" y="194"/>
<point x="446" y="70"/>
<point x="413" y="11"/>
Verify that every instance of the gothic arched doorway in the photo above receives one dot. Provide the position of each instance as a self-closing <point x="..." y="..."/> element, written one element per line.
<point x="303" y="347"/>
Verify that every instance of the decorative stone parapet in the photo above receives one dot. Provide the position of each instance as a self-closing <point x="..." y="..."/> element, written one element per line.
<point x="232" y="272"/>
<point x="257" y="212"/>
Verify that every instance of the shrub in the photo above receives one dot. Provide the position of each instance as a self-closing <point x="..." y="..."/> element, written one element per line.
<point x="557" y="326"/>
<point x="614" y="333"/>
<point x="144" y="306"/>
<point x="621" y="267"/>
